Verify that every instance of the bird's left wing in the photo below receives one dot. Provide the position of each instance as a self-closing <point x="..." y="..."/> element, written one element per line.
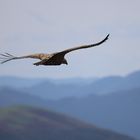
<point x="84" y="46"/>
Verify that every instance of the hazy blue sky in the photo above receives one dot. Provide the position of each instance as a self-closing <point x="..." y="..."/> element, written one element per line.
<point x="31" y="26"/>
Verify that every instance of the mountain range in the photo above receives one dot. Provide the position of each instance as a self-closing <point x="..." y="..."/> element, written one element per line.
<point x="117" y="111"/>
<point x="60" y="88"/>
<point x="111" y="102"/>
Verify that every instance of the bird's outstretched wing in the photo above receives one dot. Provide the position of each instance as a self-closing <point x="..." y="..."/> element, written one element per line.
<point x="59" y="56"/>
<point x="8" y="57"/>
<point x="84" y="46"/>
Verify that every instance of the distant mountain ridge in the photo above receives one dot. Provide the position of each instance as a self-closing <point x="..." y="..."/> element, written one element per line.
<point x="60" y="88"/>
<point x="99" y="86"/>
<point x="17" y="123"/>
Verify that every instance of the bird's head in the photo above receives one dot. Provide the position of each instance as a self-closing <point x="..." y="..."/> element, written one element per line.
<point x="64" y="61"/>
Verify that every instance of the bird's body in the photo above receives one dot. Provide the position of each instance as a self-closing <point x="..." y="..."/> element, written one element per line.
<point x="49" y="59"/>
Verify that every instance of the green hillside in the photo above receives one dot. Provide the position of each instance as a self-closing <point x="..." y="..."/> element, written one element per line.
<point x="28" y="123"/>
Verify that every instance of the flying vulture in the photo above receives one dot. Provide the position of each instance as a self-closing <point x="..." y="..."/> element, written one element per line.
<point x="49" y="59"/>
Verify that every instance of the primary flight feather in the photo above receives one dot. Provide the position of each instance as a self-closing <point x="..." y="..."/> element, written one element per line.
<point x="49" y="59"/>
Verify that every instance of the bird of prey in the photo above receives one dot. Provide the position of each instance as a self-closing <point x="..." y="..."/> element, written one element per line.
<point x="57" y="58"/>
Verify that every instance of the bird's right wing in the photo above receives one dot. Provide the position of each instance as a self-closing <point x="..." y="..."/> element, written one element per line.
<point x="8" y="57"/>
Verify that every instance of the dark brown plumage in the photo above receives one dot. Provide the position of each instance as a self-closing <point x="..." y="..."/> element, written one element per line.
<point x="49" y="59"/>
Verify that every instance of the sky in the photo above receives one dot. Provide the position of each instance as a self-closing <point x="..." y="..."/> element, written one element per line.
<point x="36" y="26"/>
